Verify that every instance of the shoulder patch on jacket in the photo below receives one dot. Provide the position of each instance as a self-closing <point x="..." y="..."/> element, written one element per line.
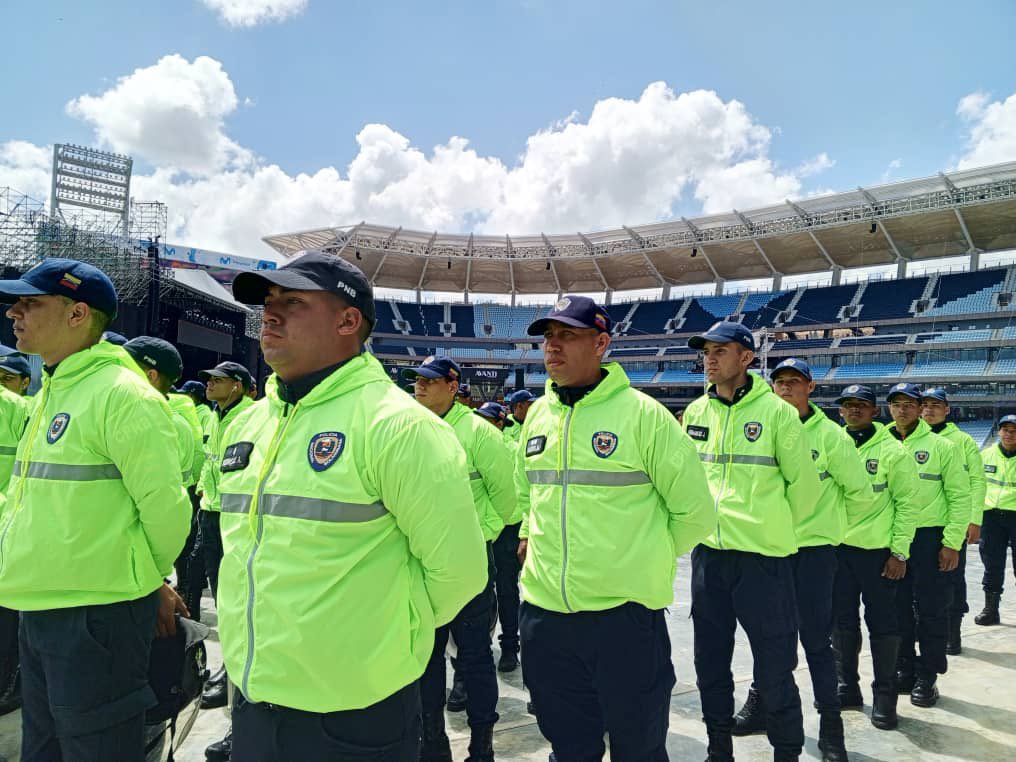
<point x="325" y="448"/>
<point x="57" y="427"/>
<point x="989" y="469"/>
<point x="535" y="445"/>
<point x="698" y="433"/>
<point x="236" y="457"/>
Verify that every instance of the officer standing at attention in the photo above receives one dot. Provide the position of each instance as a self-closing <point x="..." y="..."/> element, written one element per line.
<point x="15" y="373"/>
<point x="873" y="558"/>
<point x="998" y="530"/>
<point x="491" y="477"/>
<point x="13" y="415"/>
<point x="845" y="490"/>
<point x="923" y="599"/>
<point x="613" y="493"/>
<point x="95" y="517"/>
<point x="498" y="416"/>
<point x="935" y="411"/>
<point x="349" y="532"/>
<point x="765" y="485"/>
<point x="196" y="391"/>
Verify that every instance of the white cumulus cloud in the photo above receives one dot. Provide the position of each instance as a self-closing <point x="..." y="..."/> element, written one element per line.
<point x="991" y="137"/>
<point x="248" y="13"/>
<point x="170" y="114"/>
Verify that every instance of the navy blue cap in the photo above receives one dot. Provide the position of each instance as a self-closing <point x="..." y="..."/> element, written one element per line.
<point x="522" y="395"/>
<point x="193" y="387"/>
<point x="79" y="281"/>
<point x="494" y="412"/>
<point x="16" y="363"/>
<point x="435" y="367"/>
<point x="908" y="390"/>
<point x="576" y="311"/>
<point x="156" y="353"/>
<point x="935" y="393"/>
<point x="724" y="332"/>
<point x="311" y="271"/>
<point x="233" y="370"/>
<point x="1007" y="419"/>
<point x="114" y="338"/>
<point x="465" y="390"/>
<point x="794" y="364"/>
<point x="857" y="392"/>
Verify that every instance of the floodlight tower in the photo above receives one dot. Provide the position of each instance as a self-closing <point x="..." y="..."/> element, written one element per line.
<point x="91" y="179"/>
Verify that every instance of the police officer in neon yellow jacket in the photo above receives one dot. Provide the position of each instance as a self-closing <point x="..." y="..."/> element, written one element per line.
<point x="935" y="411"/>
<point x="13" y="416"/>
<point x="95" y="516"/>
<point x="349" y="531"/>
<point x="926" y="591"/>
<point x="873" y="558"/>
<point x="844" y="489"/>
<point x="436" y="381"/>
<point x="998" y="530"/>
<point x="764" y="484"/>
<point x="612" y="493"/>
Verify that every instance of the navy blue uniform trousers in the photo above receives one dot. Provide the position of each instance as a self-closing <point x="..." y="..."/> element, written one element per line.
<point x="922" y="604"/>
<point x="388" y="731"/>
<point x="998" y="534"/>
<point x="731" y="586"/>
<point x="859" y="578"/>
<point x="506" y="582"/>
<point x="959" y="605"/>
<point x="474" y="663"/>
<point x="591" y="672"/>
<point x="84" y="681"/>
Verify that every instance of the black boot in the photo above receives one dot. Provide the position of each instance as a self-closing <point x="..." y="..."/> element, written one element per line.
<point x="509" y="661"/>
<point x="10" y="697"/>
<point x="904" y="675"/>
<point x="457" y="696"/>
<point x="847" y="649"/>
<point x="721" y="746"/>
<point x="883" y="687"/>
<point x="435" y="746"/>
<point x="925" y="692"/>
<point x="220" y="751"/>
<point x="215" y="695"/>
<point x="481" y="744"/>
<point x="830" y="737"/>
<point x="989" y="615"/>
<point x="752" y="717"/>
<point x="218" y="677"/>
<point x="954" y="642"/>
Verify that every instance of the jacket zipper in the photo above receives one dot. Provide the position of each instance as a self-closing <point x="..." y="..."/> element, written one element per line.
<point x="723" y="482"/>
<point x="273" y="451"/>
<point x="20" y="494"/>
<point x="564" y="505"/>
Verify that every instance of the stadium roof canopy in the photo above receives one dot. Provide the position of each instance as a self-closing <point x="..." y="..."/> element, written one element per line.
<point x="972" y="211"/>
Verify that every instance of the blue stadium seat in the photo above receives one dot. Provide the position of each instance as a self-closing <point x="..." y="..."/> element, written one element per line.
<point x="963" y="293"/>
<point x="944" y="368"/>
<point x="787" y="344"/>
<point x="876" y="340"/>
<point x="953" y="337"/>
<point x="464" y="319"/>
<point x="696" y="318"/>
<point x="385" y="322"/>
<point x="979" y="431"/>
<point x="681" y="376"/>
<point x="886" y="370"/>
<point x="761" y="309"/>
<point x="632" y="352"/>
<point x="887" y="299"/>
<point x="822" y="305"/>
<point x="652" y="317"/>
<point x="719" y="306"/>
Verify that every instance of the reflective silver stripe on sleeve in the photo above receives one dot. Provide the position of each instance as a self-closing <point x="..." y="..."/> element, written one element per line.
<point x="750" y="460"/>
<point x="8" y="450"/>
<point x="931" y="477"/>
<point x="590" y="478"/>
<point x="823" y="475"/>
<point x="999" y="482"/>
<point x="68" y="473"/>
<point x="474" y="475"/>
<point x="880" y="487"/>
<point x="308" y="508"/>
<point x="232" y="503"/>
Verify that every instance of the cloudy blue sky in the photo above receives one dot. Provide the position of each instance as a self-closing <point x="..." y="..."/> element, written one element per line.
<point x="250" y="117"/>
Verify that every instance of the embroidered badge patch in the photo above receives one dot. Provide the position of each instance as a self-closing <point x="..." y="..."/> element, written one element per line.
<point x="57" y="427"/>
<point x="698" y="433"/>
<point x="752" y="431"/>
<point x="604" y="443"/>
<point x="921" y="456"/>
<point x="872" y="465"/>
<point x="535" y="445"/>
<point x="325" y="448"/>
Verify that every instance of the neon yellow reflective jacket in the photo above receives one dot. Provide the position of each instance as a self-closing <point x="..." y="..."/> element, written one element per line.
<point x="512" y="433"/>
<point x="888" y="522"/>
<point x="943" y="491"/>
<point x="760" y="470"/>
<point x="95" y="510"/>
<point x="972" y="464"/>
<point x="612" y="493"/>
<point x="1000" y="478"/>
<point x="208" y="484"/>
<point x="206" y="417"/>
<point x="491" y="469"/>
<point x="184" y="406"/>
<point x="13" y="416"/>
<point x="349" y="534"/>
<point x="844" y="485"/>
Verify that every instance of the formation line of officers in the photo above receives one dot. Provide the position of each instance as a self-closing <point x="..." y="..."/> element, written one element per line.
<point x="352" y="534"/>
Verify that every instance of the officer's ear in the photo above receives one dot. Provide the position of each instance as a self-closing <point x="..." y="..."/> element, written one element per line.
<point x="747" y="357"/>
<point x="602" y="342"/>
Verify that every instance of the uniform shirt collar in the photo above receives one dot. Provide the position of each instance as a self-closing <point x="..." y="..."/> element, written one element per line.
<point x="1005" y="452"/>
<point x="569" y="395"/>
<point x="739" y="393"/>
<point x="292" y="392"/>
<point x="938" y="428"/>
<point x="862" y="435"/>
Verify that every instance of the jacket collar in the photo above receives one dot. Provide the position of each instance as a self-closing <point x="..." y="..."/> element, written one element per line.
<point x="745" y="395"/>
<point x="922" y="430"/>
<point x="357" y="372"/>
<point x="85" y="362"/>
<point x="614" y="381"/>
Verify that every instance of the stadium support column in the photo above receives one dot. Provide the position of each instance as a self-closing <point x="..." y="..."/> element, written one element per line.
<point x="837" y="272"/>
<point x="901" y="268"/>
<point x="975" y="259"/>
<point x="720" y="283"/>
